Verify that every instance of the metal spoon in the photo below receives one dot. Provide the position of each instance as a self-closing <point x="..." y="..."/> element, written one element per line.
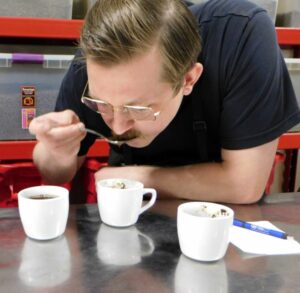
<point x="116" y="142"/>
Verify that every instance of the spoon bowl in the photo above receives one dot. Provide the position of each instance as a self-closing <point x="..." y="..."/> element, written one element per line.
<point x="109" y="140"/>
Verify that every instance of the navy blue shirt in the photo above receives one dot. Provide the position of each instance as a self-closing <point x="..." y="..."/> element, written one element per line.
<point x="244" y="95"/>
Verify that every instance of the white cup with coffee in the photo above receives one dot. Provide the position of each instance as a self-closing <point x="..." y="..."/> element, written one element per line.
<point x="120" y="201"/>
<point x="203" y="230"/>
<point x="44" y="211"/>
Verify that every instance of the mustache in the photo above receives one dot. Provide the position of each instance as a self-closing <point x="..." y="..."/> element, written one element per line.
<point x="125" y="136"/>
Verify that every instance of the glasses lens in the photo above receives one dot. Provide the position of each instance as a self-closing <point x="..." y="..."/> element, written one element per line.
<point x="145" y="114"/>
<point x="98" y="106"/>
<point x="104" y="108"/>
<point x="134" y="112"/>
<point x="89" y="103"/>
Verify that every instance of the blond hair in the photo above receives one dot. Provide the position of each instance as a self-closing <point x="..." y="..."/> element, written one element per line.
<point x="115" y="31"/>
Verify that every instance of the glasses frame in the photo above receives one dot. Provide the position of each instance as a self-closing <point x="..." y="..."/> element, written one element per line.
<point x="124" y="108"/>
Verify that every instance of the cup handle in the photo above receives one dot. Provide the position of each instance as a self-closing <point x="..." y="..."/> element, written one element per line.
<point x="150" y="245"/>
<point x="151" y="201"/>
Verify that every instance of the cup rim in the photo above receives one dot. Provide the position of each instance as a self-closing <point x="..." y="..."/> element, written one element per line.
<point x="181" y="209"/>
<point x="136" y="184"/>
<point x="26" y="193"/>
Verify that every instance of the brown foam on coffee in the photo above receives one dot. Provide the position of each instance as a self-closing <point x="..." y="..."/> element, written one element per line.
<point x="204" y="211"/>
<point x="42" y="196"/>
<point x="119" y="185"/>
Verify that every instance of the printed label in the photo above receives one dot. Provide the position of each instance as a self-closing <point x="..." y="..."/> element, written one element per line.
<point x="28" y="96"/>
<point x="27" y="115"/>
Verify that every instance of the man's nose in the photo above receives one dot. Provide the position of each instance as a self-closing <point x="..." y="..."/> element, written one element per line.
<point x="121" y="122"/>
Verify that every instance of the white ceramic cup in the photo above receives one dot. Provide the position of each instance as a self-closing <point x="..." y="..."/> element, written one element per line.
<point x="124" y="246"/>
<point x="44" y="219"/>
<point x="122" y="207"/>
<point x="201" y="237"/>
<point x="194" y="276"/>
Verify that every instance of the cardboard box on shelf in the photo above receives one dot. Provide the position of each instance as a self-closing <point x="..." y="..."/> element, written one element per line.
<point x="29" y="85"/>
<point x="269" y="5"/>
<point x="293" y="65"/>
<point x="288" y="13"/>
<point x="37" y="8"/>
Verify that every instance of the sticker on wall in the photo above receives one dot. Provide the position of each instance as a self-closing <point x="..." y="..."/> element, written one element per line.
<point x="27" y="115"/>
<point x="28" y="96"/>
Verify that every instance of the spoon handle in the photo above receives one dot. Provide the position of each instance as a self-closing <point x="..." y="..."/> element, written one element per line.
<point x="116" y="142"/>
<point x="91" y="131"/>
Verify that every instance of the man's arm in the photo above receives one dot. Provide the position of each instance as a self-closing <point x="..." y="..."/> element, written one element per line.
<point x="241" y="177"/>
<point x="59" y="135"/>
<point x="55" y="170"/>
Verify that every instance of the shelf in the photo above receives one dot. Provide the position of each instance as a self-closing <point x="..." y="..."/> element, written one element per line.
<point x="22" y="149"/>
<point x="69" y="29"/>
<point x="22" y="27"/>
<point x="289" y="140"/>
<point x="288" y="36"/>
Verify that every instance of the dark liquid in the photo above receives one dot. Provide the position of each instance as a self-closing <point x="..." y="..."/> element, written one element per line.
<point x="42" y="196"/>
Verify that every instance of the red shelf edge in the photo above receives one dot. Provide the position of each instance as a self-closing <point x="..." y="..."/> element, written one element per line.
<point x="289" y="140"/>
<point x="40" y="28"/>
<point x="70" y="29"/>
<point x="22" y="150"/>
<point x="288" y="35"/>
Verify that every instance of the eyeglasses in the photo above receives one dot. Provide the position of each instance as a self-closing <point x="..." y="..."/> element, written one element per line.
<point x="139" y="113"/>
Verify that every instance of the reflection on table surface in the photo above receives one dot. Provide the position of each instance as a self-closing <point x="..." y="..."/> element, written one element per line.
<point x="93" y="257"/>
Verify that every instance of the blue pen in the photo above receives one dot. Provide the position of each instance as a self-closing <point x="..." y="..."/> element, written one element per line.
<point x="260" y="229"/>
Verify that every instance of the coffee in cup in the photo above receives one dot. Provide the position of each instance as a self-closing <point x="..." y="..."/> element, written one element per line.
<point x="42" y="196"/>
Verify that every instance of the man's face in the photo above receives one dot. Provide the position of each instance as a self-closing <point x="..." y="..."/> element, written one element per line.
<point x="136" y="83"/>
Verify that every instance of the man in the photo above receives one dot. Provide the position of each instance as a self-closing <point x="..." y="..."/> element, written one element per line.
<point x="201" y="120"/>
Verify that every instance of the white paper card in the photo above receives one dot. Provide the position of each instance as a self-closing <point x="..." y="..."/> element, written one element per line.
<point x="258" y="243"/>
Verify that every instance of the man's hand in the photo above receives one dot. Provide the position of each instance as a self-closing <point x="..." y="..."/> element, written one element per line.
<point x="59" y="132"/>
<point x="59" y="135"/>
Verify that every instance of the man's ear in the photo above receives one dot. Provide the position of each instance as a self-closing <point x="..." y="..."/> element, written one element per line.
<point x="191" y="77"/>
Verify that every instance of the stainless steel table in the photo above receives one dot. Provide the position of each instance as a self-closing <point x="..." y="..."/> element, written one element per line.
<point x="92" y="257"/>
